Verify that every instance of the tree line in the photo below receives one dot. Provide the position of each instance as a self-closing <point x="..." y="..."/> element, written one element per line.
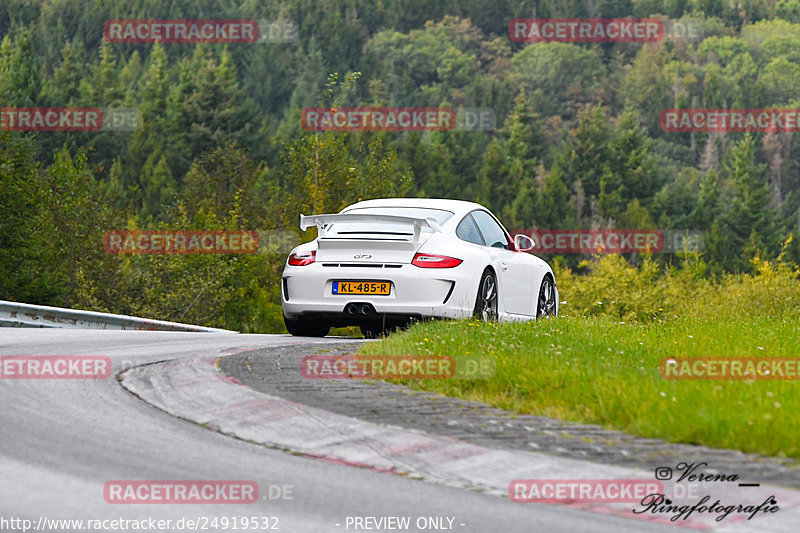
<point x="578" y="142"/>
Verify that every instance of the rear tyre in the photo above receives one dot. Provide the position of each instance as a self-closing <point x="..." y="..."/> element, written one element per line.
<point x="546" y="305"/>
<point x="306" y="328"/>
<point x="486" y="302"/>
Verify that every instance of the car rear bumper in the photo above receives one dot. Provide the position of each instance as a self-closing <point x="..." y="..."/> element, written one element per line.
<point x="415" y="292"/>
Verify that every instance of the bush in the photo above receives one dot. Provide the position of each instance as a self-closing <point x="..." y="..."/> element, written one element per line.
<point x="617" y="289"/>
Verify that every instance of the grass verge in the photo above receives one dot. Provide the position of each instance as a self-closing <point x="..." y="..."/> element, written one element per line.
<point x="605" y="371"/>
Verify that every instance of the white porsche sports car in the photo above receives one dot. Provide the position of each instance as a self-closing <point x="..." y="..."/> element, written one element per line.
<point x="381" y="263"/>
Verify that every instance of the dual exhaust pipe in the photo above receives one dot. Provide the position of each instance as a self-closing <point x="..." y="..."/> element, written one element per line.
<point x="353" y="309"/>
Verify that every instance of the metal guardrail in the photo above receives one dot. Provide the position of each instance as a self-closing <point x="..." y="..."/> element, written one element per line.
<point x="14" y="314"/>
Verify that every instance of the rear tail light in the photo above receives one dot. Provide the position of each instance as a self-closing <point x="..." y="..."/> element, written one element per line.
<point x="435" y="261"/>
<point x="302" y="258"/>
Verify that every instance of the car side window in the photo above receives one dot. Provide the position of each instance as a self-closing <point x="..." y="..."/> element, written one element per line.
<point x="467" y="230"/>
<point x="491" y="231"/>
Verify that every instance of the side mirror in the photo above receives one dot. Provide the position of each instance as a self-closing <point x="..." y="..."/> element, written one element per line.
<point x="523" y="243"/>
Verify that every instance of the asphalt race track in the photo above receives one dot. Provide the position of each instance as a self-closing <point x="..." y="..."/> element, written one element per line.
<point x="61" y="441"/>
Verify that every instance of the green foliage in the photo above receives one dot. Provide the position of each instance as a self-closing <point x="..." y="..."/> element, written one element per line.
<point x="559" y="77"/>
<point x="555" y="210"/>
<point x="748" y="223"/>
<point x="617" y="289"/>
<point x="206" y="108"/>
<point x="21" y="260"/>
<point x="586" y="155"/>
<point x="324" y="174"/>
<point x="449" y="61"/>
<point x="578" y="142"/>
<point x="74" y="213"/>
<point x="646" y="85"/>
<point x="20" y="81"/>
<point x="506" y="179"/>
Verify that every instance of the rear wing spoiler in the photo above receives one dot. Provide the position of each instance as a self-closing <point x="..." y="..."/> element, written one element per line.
<point x="320" y="221"/>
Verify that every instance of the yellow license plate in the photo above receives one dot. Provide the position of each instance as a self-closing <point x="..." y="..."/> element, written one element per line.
<point x="380" y="288"/>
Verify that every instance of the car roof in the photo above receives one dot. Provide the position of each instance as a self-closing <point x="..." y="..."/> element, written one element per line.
<point x="456" y="206"/>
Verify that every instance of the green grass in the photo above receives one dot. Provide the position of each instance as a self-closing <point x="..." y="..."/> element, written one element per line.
<point x="605" y="371"/>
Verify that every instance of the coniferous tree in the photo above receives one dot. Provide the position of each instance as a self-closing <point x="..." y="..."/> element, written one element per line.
<point x="149" y="172"/>
<point x="747" y="227"/>
<point x="587" y="155"/>
<point x="631" y="173"/>
<point x="22" y="276"/>
<point x="20" y="72"/>
<point x="555" y="210"/>
<point x="510" y="161"/>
